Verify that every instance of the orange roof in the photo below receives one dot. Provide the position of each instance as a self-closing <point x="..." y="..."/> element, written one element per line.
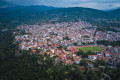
<point x="82" y="68"/>
<point x="108" y="53"/>
<point x="20" y="44"/>
<point x="33" y="50"/>
<point x="66" y="62"/>
<point x="73" y="49"/>
<point x="77" y="56"/>
<point x="75" y="59"/>
<point x="71" y="61"/>
<point x="61" y="56"/>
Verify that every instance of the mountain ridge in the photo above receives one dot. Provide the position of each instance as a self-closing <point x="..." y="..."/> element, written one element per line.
<point x="40" y="14"/>
<point x="31" y="7"/>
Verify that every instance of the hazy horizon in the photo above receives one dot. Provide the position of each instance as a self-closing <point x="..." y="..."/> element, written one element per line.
<point x="101" y="5"/>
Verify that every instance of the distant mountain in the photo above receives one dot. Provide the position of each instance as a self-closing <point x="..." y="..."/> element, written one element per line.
<point x="112" y="9"/>
<point x="45" y="13"/>
<point x="49" y="13"/>
<point x="16" y="15"/>
<point x="4" y="3"/>
<point x="115" y="13"/>
<point x="38" y="8"/>
<point x="23" y="11"/>
<point x="39" y="14"/>
<point x="74" y="13"/>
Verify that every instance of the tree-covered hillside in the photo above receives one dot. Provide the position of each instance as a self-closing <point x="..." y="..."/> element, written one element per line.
<point x="115" y="13"/>
<point x="39" y="14"/>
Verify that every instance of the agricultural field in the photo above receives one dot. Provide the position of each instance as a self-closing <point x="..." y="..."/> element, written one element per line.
<point x="91" y="48"/>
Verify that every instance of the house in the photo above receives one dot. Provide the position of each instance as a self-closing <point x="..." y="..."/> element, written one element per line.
<point x="107" y="54"/>
<point x="92" y="57"/>
<point x="100" y="57"/>
<point x="90" y="65"/>
<point x="118" y="55"/>
<point x="52" y="50"/>
<point x="106" y="58"/>
<point x="73" y="49"/>
<point x="76" y="60"/>
<point x="61" y="56"/>
<point x="71" y="62"/>
<point x="33" y="51"/>
<point x="22" y="46"/>
<point x="66" y="62"/>
<point x="82" y="68"/>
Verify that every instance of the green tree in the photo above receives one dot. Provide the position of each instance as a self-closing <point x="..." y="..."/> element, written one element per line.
<point x="49" y="71"/>
<point x="83" y="62"/>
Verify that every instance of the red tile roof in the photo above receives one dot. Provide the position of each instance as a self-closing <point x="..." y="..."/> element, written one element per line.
<point x="33" y="50"/>
<point x="73" y="49"/>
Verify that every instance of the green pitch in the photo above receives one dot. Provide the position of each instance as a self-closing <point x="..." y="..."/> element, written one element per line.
<point x="93" y="49"/>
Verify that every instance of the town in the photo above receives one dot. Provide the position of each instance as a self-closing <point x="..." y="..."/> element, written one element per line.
<point x="63" y="39"/>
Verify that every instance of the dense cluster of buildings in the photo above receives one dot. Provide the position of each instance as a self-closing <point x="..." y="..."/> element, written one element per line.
<point x="65" y="34"/>
<point x="111" y="55"/>
<point x="108" y="35"/>
<point x="58" y="40"/>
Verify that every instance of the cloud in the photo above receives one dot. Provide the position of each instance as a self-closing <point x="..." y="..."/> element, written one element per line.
<point x="97" y="4"/>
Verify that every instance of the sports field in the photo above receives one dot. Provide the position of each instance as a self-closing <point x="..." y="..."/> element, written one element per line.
<point x="91" y="48"/>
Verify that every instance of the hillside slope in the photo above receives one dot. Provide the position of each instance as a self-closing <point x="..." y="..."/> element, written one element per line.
<point x="115" y="13"/>
<point x="39" y="14"/>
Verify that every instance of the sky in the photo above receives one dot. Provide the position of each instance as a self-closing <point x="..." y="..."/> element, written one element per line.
<point x="96" y="4"/>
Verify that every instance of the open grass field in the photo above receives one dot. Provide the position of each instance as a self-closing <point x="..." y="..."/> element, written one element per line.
<point x="91" y="48"/>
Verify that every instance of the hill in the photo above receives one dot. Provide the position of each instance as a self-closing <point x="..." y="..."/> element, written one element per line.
<point x="16" y="15"/>
<point x="39" y="14"/>
<point x="74" y="13"/>
<point x="38" y="8"/>
<point x="22" y="11"/>
<point x="115" y="13"/>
